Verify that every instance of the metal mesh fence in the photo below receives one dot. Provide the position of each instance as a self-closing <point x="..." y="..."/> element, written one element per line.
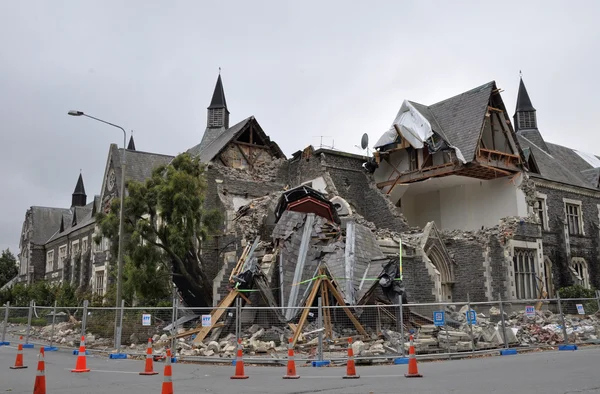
<point x="317" y="333"/>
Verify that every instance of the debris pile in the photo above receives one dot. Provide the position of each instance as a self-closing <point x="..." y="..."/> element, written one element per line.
<point x="264" y="171"/>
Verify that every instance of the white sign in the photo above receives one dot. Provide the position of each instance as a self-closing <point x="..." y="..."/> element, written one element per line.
<point x="146" y="319"/>
<point x="529" y="311"/>
<point x="580" y="309"/>
<point x="206" y="321"/>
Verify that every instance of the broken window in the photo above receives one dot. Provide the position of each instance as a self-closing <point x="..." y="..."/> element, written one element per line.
<point x="525" y="277"/>
<point x="579" y="272"/>
<point x="573" y="218"/>
<point x="540" y="208"/>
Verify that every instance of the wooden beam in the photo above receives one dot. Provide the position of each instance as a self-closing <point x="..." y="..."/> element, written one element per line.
<point x="245" y="157"/>
<point x="496" y="169"/>
<point x="307" y="305"/>
<point x="442" y="169"/>
<point x="494" y="109"/>
<point x="342" y="303"/>
<point x="251" y="145"/>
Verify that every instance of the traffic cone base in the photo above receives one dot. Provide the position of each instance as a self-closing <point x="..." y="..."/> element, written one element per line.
<point x="149" y="370"/>
<point x="80" y="365"/>
<point x="19" y="359"/>
<point x="239" y="363"/>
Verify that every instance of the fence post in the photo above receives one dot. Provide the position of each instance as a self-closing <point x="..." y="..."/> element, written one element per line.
<point x="598" y="299"/>
<point x="320" y="327"/>
<point x="503" y="322"/>
<point x="562" y="318"/>
<point x="173" y="318"/>
<point x="53" y="322"/>
<point x="469" y="322"/>
<point x="401" y="321"/>
<point x="238" y="318"/>
<point x="120" y="327"/>
<point x="29" y="321"/>
<point x="5" y="323"/>
<point x="83" y="317"/>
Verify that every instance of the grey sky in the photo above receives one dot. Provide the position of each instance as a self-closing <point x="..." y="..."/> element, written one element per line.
<point x="303" y="69"/>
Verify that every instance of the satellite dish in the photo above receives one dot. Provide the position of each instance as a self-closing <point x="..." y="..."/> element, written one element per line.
<point x="364" y="141"/>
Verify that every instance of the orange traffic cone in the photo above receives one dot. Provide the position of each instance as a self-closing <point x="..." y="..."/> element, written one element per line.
<point x="413" y="370"/>
<point x="291" y="364"/>
<point x="19" y="359"/>
<point x="239" y="363"/>
<point x="350" y="367"/>
<point x="81" y="365"/>
<point x="39" y="386"/>
<point x="167" y="386"/>
<point x="149" y="370"/>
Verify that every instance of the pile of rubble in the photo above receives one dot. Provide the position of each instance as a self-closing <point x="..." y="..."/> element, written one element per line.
<point x="267" y="171"/>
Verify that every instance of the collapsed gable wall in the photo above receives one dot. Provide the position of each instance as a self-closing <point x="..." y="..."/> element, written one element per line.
<point x="350" y="182"/>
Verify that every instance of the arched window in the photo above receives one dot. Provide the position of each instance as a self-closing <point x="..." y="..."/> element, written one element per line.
<point x="525" y="276"/>
<point x="443" y="275"/>
<point x="579" y="272"/>
<point x="548" y="283"/>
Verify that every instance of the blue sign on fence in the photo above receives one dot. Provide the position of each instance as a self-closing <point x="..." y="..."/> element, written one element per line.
<point x="530" y="311"/>
<point x="471" y="317"/>
<point x="439" y="318"/>
<point x="206" y="320"/>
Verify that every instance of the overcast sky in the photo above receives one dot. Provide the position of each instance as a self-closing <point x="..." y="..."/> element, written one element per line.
<point x="303" y="69"/>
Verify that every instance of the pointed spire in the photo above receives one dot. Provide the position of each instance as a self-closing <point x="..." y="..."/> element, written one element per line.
<point x="79" y="198"/>
<point x="523" y="100"/>
<point x="218" y="98"/>
<point x="131" y="145"/>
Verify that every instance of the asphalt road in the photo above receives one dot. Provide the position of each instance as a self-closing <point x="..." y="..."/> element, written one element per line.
<point x="544" y="372"/>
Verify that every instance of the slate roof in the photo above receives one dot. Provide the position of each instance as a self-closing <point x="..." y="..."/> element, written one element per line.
<point x="523" y="100"/>
<point x="459" y="119"/>
<point x="218" y="98"/>
<point x="555" y="166"/>
<point x="84" y="217"/>
<point x="534" y="136"/>
<point x="45" y="222"/>
<point x="79" y="188"/>
<point x="139" y="165"/>
<point x="208" y="151"/>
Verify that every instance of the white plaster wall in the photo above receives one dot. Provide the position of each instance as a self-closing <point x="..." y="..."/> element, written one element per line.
<point x="465" y="206"/>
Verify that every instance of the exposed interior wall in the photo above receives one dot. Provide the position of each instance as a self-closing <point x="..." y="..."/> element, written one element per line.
<point x="462" y="203"/>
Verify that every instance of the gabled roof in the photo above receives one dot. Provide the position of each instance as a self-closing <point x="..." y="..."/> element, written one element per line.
<point x="554" y="168"/>
<point x="459" y="119"/>
<point x="523" y="100"/>
<point x="209" y="152"/>
<point x="45" y="222"/>
<point x="75" y="219"/>
<point x="534" y="136"/>
<point x="139" y="165"/>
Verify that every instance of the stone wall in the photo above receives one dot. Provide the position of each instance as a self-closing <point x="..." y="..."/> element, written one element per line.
<point x="469" y="254"/>
<point x="585" y="246"/>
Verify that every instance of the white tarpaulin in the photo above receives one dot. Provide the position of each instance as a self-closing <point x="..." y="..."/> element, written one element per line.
<point x="413" y="127"/>
<point x="411" y="124"/>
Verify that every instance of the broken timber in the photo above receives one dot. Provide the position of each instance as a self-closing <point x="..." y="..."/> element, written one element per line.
<point x="324" y="285"/>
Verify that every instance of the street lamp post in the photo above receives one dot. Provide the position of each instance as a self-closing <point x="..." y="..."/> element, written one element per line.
<point x="121" y="233"/>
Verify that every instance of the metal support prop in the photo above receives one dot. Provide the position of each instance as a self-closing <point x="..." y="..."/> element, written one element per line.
<point x="53" y="323"/>
<point x="503" y="321"/>
<point x="5" y="321"/>
<point x="469" y="321"/>
<point x="84" y="317"/>
<point x="320" y="327"/>
<point x="29" y="321"/>
<point x="562" y="318"/>
<point x="401" y="321"/>
<point x="238" y="318"/>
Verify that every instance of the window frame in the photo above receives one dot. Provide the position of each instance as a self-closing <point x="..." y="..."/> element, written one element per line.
<point x="525" y="273"/>
<point x="543" y="199"/>
<point x="62" y="256"/>
<point x="579" y="266"/>
<point x="50" y="260"/>
<point x="577" y="205"/>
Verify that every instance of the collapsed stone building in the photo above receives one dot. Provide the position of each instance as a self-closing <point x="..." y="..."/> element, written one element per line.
<point x="455" y="200"/>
